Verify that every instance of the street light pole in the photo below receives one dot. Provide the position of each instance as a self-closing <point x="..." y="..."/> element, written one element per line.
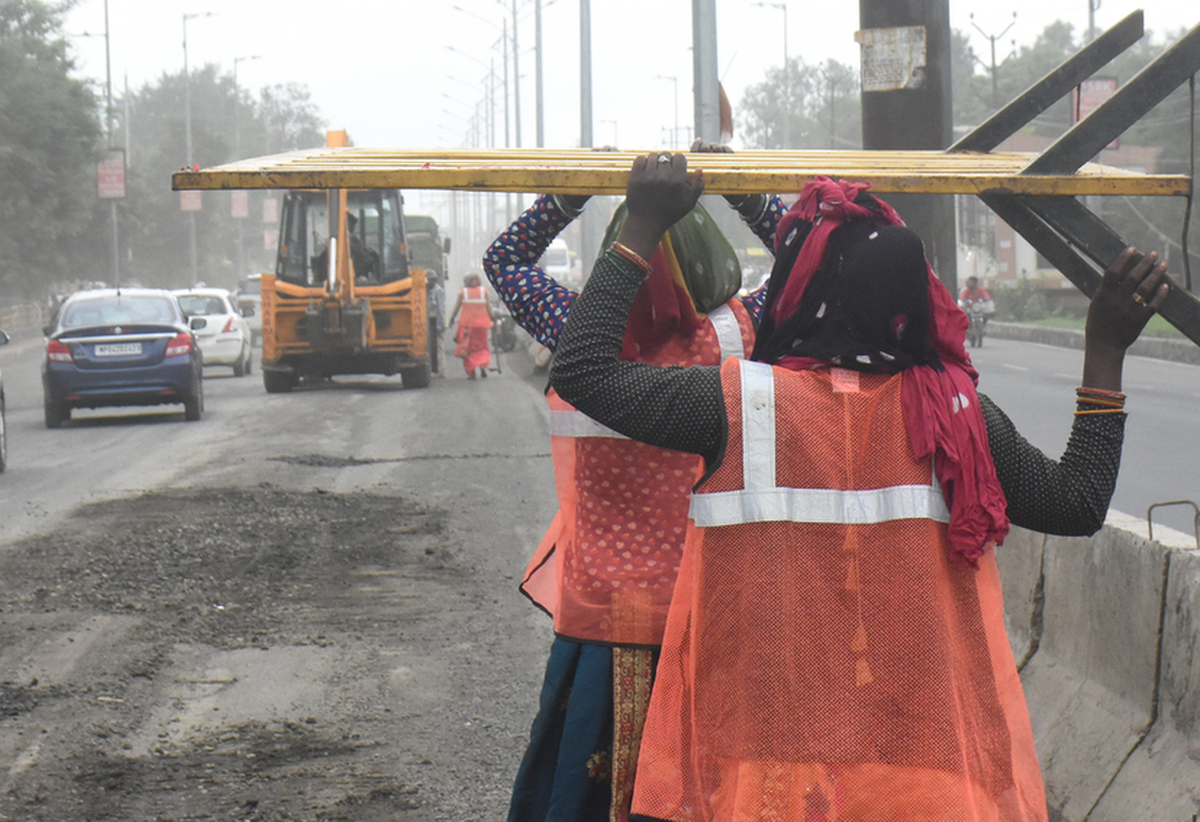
<point x="237" y="134"/>
<point x="787" y="76"/>
<point x="993" y="38"/>
<point x="108" y="132"/>
<point x="537" y="17"/>
<point x="516" y="77"/>
<point x="187" y="92"/>
<point x="237" y="153"/>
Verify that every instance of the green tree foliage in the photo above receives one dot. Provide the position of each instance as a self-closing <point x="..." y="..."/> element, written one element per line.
<point x="49" y="145"/>
<point x="820" y="102"/>
<point x="224" y="125"/>
<point x="54" y="229"/>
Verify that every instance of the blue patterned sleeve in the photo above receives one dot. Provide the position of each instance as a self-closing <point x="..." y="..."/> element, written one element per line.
<point x="763" y="223"/>
<point x="536" y="300"/>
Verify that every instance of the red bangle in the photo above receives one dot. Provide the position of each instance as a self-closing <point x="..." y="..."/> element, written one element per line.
<point x="1099" y="392"/>
<point x="632" y="256"/>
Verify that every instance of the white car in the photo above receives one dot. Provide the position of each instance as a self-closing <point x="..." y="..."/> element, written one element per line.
<point x="225" y="339"/>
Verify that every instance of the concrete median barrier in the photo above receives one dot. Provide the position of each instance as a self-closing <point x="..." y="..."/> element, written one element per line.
<point x="1020" y="562"/>
<point x="1091" y="682"/>
<point x="1161" y="778"/>
<point x="1109" y="631"/>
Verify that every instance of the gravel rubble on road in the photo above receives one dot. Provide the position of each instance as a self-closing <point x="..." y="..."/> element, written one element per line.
<point x="422" y="714"/>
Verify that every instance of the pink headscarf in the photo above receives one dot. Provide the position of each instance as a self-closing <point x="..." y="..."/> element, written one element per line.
<point x="941" y="408"/>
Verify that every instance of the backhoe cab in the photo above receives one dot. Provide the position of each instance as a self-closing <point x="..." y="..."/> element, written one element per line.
<point x="344" y="298"/>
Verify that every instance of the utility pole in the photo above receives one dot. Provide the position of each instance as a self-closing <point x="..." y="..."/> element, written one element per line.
<point x="537" y="57"/>
<point x="237" y="153"/>
<point x="187" y="92"/>
<point x="589" y="224"/>
<point x="704" y="69"/>
<point x="108" y="128"/>
<point x="908" y="106"/>
<point x="787" y="77"/>
<point x="516" y="76"/>
<point x="1093" y="7"/>
<point x="993" y="38"/>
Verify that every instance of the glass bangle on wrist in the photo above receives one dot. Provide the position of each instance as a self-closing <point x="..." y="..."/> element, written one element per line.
<point x="630" y="255"/>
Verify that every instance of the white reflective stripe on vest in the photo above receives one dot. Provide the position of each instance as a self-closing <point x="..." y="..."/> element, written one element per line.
<point x="729" y="333"/>
<point x="573" y="423"/>
<point x="761" y="500"/>
<point x="467" y="298"/>
<point x="819" y="505"/>
<point x="758" y="426"/>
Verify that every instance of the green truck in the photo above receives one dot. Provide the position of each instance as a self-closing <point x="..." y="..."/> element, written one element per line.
<point x="427" y="248"/>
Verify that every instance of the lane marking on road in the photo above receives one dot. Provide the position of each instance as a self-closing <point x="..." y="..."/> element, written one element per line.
<point x="1012" y="367"/>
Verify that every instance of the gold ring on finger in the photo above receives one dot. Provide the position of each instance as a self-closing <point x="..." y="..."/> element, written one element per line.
<point x="1137" y="298"/>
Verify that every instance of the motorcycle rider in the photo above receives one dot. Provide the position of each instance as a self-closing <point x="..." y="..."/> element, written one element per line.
<point x="975" y="293"/>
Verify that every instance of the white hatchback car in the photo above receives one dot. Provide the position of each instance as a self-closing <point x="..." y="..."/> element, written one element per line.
<point x="225" y="339"/>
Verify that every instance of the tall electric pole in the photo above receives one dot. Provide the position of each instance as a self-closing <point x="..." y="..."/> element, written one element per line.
<point x="906" y="106"/>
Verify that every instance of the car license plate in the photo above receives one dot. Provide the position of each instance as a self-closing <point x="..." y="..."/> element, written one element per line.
<point x="118" y="350"/>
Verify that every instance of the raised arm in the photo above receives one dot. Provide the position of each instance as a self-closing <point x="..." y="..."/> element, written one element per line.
<point x="1071" y="496"/>
<point x="536" y="301"/>
<point x="677" y="408"/>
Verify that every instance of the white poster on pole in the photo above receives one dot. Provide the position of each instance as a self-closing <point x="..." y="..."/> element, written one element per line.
<point x="110" y="176"/>
<point x="239" y="205"/>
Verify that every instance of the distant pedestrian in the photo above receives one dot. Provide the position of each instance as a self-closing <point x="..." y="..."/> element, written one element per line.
<point x="473" y="326"/>
<point x="435" y="301"/>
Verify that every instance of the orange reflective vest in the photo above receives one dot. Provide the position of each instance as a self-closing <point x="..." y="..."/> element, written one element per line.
<point x="474" y="309"/>
<point x="826" y="657"/>
<point x="606" y="568"/>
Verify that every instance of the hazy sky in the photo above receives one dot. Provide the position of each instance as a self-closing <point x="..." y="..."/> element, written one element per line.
<point x="385" y="71"/>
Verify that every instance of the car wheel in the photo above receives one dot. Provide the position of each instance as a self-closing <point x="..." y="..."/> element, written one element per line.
<point x="193" y="406"/>
<point x="239" y="366"/>
<point x="249" y="357"/>
<point x="56" y="413"/>
<point x="278" y="382"/>
<point x="3" y="438"/>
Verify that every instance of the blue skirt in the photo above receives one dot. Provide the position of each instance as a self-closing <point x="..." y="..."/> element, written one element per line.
<point x="566" y="774"/>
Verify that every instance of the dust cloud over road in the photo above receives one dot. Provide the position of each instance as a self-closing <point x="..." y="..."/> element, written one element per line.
<point x="303" y="607"/>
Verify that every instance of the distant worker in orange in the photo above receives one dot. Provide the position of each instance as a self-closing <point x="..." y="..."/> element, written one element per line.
<point x="473" y="326"/>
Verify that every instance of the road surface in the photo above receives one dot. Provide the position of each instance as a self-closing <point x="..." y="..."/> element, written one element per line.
<point x="303" y="606"/>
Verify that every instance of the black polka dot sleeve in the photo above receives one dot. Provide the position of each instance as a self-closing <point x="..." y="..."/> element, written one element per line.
<point x="1069" y="497"/>
<point x="674" y="407"/>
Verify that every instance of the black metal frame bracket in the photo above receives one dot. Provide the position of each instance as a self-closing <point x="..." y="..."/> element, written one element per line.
<point x="1061" y="228"/>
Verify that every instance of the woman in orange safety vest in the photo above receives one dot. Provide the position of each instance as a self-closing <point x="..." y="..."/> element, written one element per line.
<point x="835" y="649"/>
<point x="473" y="326"/>
<point x="605" y="570"/>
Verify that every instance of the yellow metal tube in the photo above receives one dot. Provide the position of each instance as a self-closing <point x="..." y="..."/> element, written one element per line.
<point x="580" y="171"/>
